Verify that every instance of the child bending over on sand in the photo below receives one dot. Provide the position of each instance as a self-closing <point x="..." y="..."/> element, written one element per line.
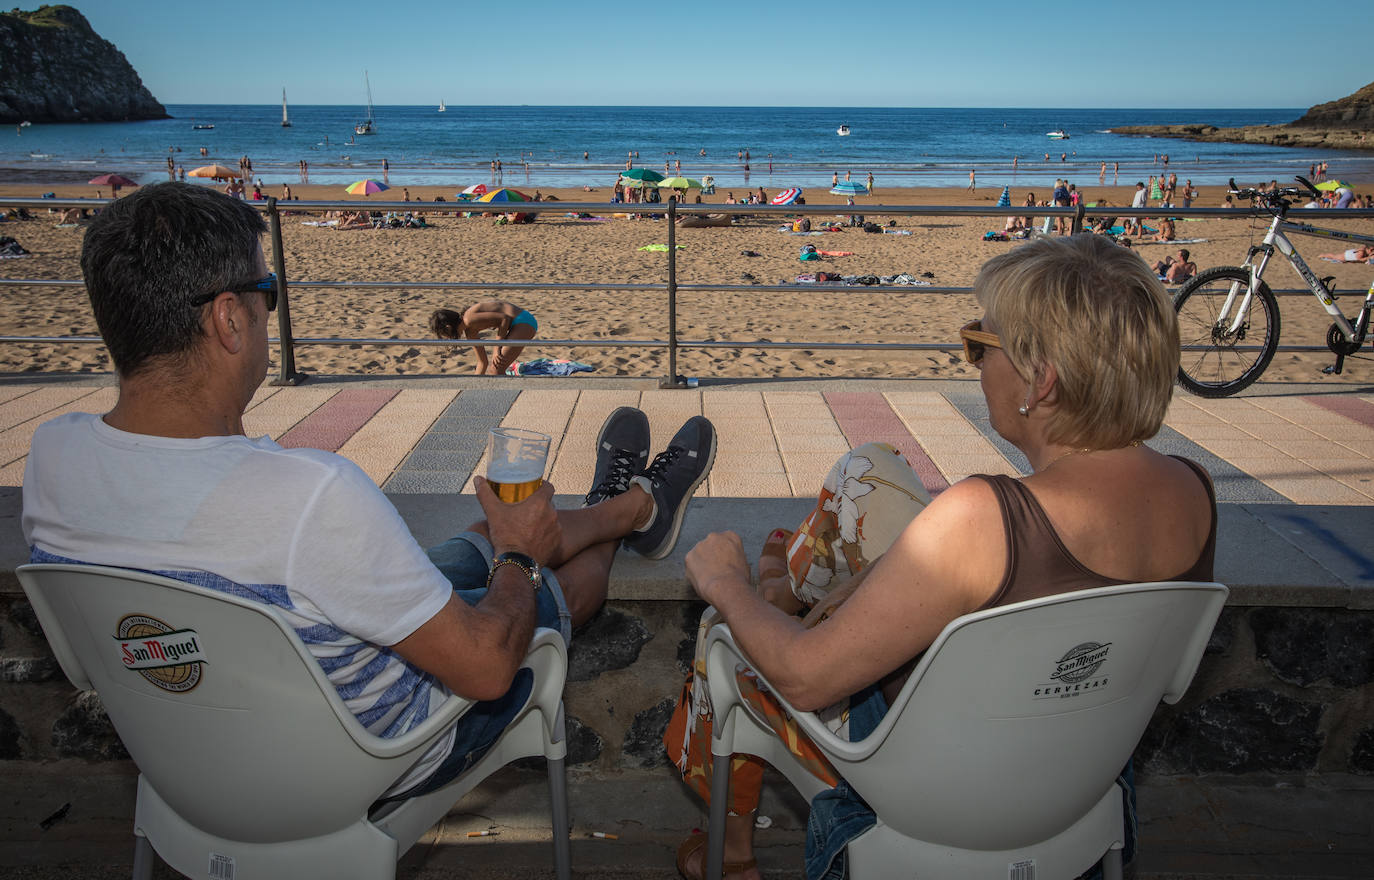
<point x="509" y="320"/>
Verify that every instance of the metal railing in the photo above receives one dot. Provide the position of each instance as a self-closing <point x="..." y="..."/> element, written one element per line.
<point x="671" y="211"/>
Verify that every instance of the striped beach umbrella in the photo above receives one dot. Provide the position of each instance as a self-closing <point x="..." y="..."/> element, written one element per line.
<point x="367" y="187"/>
<point x="849" y="188"/>
<point x="504" y="195"/>
<point x="1004" y="201"/>
<point x="787" y="196"/>
<point x="477" y="189"/>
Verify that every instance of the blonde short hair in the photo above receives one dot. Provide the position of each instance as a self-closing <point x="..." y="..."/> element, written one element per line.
<point x="1098" y="314"/>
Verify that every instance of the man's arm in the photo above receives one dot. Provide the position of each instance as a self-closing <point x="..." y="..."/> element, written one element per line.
<point x="475" y="650"/>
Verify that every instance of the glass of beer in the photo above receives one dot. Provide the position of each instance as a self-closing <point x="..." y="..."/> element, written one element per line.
<point x="515" y="462"/>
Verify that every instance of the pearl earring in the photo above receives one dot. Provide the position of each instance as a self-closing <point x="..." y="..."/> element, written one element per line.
<point x="1023" y="410"/>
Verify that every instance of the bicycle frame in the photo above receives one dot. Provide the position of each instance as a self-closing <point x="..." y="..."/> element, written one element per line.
<point x="1276" y="239"/>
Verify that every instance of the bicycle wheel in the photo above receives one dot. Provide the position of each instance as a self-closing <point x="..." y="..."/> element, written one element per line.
<point x="1218" y="361"/>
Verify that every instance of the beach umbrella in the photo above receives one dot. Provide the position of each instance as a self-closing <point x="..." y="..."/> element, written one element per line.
<point x="214" y="172"/>
<point x="1324" y="185"/>
<point x="642" y="175"/>
<point x="477" y="189"/>
<point x="849" y="188"/>
<point x="504" y="195"/>
<point x="114" y="180"/>
<point x="679" y="183"/>
<point x="787" y="196"/>
<point x="1004" y="201"/>
<point x="367" y="187"/>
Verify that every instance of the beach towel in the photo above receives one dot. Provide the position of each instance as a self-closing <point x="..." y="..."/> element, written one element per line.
<point x="319" y="222"/>
<point x="658" y="247"/>
<point x="836" y="253"/>
<point x="812" y="232"/>
<point x="897" y="231"/>
<point x="547" y="367"/>
<point x="1172" y="241"/>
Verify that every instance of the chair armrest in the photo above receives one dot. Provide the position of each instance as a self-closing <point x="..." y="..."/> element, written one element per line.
<point x="722" y="656"/>
<point x="547" y="653"/>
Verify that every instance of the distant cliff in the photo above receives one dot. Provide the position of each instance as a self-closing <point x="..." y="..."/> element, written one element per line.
<point x="1345" y="124"/>
<point x="54" y="68"/>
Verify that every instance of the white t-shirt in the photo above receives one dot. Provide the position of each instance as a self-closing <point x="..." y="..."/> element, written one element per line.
<point x="300" y="529"/>
<point x="1139" y="200"/>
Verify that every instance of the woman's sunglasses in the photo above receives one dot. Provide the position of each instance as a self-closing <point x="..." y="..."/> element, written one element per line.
<point x="976" y="341"/>
<point x="268" y="287"/>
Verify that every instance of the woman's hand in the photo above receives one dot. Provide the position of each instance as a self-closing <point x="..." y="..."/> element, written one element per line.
<point x="717" y="566"/>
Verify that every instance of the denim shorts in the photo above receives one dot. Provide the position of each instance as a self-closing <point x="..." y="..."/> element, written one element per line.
<point x="466" y="561"/>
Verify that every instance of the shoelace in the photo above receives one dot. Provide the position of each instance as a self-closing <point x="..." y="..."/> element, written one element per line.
<point x="617" y="479"/>
<point x="658" y="468"/>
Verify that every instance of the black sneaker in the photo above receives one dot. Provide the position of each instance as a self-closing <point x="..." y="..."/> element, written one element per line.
<point x="622" y="448"/>
<point x="675" y="474"/>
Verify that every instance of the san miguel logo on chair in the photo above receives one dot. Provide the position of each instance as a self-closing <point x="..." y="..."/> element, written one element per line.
<point x="1076" y="672"/>
<point x="169" y="658"/>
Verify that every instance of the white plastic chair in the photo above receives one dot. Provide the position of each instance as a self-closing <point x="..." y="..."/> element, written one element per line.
<point x="250" y="763"/>
<point x="999" y="756"/>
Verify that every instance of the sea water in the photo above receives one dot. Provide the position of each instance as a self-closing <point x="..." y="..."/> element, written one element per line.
<point x="545" y="146"/>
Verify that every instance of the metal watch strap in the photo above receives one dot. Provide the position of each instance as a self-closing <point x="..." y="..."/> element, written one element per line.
<point x="521" y="561"/>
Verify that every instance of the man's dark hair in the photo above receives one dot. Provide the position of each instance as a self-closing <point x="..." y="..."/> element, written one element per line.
<point x="1183" y="252"/>
<point x="150" y="254"/>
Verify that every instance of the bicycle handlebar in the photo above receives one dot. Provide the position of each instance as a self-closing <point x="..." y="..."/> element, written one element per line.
<point x="1277" y="199"/>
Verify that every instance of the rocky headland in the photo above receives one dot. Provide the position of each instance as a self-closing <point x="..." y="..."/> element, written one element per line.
<point x="1344" y="124"/>
<point x="55" y="68"/>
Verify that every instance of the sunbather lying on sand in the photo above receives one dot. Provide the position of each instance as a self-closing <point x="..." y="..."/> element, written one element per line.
<point x="1361" y="254"/>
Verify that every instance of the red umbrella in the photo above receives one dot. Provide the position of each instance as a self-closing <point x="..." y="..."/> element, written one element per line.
<point x="114" y="181"/>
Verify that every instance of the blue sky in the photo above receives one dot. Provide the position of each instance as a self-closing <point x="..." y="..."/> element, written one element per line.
<point x="905" y="53"/>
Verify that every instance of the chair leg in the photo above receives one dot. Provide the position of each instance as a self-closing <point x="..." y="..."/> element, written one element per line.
<point x="558" y="796"/>
<point x="715" y="827"/>
<point x="1111" y="864"/>
<point x="144" y="857"/>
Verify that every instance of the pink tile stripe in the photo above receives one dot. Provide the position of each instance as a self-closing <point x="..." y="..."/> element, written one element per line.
<point x="867" y="417"/>
<point x="1351" y="407"/>
<point x="339" y="418"/>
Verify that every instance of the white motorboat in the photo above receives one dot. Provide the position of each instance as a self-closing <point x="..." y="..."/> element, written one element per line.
<point x="367" y="126"/>
<point x="842" y="131"/>
<point x="1058" y="134"/>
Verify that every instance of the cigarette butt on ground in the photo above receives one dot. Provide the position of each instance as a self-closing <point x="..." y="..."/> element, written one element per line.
<point x="604" y="835"/>
<point x="483" y="833"/>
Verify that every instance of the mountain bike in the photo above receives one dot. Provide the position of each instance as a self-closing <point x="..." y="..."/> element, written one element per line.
<point x="1229" y="319"/>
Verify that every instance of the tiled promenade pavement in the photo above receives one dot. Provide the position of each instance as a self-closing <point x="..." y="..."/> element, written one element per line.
<point x="416" y="437"/>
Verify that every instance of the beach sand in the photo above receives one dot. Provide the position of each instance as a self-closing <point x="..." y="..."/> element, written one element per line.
<point x="562" y="249"/>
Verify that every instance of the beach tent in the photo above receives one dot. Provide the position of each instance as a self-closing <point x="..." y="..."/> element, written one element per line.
<point x="1004" y="201"/>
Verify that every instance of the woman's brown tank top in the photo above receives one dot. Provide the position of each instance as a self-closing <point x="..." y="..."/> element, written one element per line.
<point x="1038" y="563"/>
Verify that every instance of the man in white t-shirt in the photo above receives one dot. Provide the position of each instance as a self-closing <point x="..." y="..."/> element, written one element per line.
<point x="167" y="482"/>
<point x="1140" y="199"/>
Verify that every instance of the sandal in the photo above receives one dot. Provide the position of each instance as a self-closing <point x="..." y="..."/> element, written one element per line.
<point x="698" y="842"/>
<point x="775" y="553"/>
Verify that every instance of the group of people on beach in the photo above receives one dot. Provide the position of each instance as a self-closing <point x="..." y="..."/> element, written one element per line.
<point x="834" y="611"/>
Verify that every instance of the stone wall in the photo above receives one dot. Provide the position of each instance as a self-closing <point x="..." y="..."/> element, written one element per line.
<point x="1281" y="691"/>
<point x="55" y="68"/>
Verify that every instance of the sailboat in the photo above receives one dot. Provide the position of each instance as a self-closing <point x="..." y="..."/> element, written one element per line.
<point x="367" y="126"/>
<point x="285" y="120"/>
<point x="442" y="108"/>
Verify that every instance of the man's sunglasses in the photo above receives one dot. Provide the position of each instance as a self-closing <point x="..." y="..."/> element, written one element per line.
<point x="976" y="341"/>
<point x="268" y="287"/>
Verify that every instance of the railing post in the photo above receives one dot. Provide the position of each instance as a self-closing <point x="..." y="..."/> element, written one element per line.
<point x="1076" y="226"/>
<point x="288" y="375"/>
<point x="672" y="380"/>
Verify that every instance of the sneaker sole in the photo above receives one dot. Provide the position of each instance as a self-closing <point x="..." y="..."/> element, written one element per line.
<point x="670" y="542"/>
